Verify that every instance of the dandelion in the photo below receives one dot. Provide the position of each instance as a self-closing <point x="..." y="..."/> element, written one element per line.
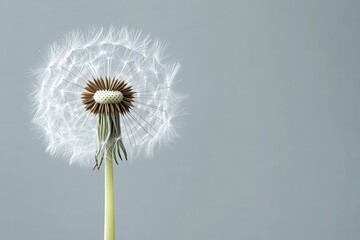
<point x="105" y="96"/>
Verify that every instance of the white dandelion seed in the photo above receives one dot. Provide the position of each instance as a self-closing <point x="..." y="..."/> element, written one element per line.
<point x="106" y="92"/>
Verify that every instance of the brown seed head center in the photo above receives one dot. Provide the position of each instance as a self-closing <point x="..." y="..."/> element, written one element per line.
<point x="105" y="95"/>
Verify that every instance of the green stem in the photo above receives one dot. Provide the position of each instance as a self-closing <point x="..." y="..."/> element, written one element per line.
<point x="109" y="218"/>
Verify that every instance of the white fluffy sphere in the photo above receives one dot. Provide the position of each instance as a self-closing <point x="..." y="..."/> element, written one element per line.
<point x="68" y="129"/>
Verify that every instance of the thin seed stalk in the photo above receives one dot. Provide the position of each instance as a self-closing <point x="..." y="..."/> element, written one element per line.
<point x="110" y="146"/>
<point x="109" y="216"/>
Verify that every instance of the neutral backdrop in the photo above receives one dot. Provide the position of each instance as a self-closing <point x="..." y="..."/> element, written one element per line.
<point x="269" y="148"/>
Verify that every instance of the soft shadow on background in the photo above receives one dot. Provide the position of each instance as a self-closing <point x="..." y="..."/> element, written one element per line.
<point x="269" y="149"/>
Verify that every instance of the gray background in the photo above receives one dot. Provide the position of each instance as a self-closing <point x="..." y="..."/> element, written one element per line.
<point x="269" y="149"/>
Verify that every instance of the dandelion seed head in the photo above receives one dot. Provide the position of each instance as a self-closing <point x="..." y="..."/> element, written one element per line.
<point x="103" y="71"/>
